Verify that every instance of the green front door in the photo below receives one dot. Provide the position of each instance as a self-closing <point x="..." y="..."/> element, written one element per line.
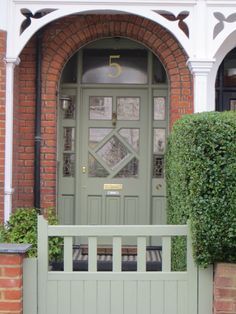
<point x="112" y="136"/>
<point x="113" y="169"/>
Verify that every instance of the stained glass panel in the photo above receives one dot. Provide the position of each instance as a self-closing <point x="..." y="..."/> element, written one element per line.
<point x="130" y="170"/>
<point x="95" y="169"/>
<point x="113" y="152"/>
<point x="100" y="108"/>
<point x="128" y="108"/>
<point x="159" y="141"/>
<point x="69" y="139"/>
<point x="158" y="166"/>
<point x="96" y="135"/>
<point x="159" y="108"/>
<point x="70" y="112"/>
<point x="68" y="165"/>
<point x="131" y="136"/>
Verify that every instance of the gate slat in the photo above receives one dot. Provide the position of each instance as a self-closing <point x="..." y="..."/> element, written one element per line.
<point x="116" y="258"/>
<point x="63" y="297"/>
<point x="143" y="297"/>
<point x="157" y="297"/>
<point x="170" y="297"/>
<point x="90" y="297"/>
<point x="92" y="254"/>
<point x="117" y="297"/>
<point x="68" y="260"/>
<point x="51" y="304"/>
<point x="130" y="297"/>
<point x="141" y="256"/>
<point x="77" y="297"/>
<point x="103" y="300"/>
<point x="166" y="254"/>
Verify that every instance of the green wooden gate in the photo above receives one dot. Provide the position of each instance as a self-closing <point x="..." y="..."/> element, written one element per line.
<point x="116" y="292"/>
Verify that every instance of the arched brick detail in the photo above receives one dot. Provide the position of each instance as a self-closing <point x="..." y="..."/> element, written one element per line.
<point x="65" y="36"/>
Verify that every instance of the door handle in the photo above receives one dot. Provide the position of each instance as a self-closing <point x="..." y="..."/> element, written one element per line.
<point x="83" y="169"/>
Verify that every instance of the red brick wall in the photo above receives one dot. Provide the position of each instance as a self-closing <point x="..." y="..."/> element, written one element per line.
<point x="11" y="283"/>
<point x="24" y="115"/>
<point x="225" y="289"/>
<point x="2" y="117"/>
<point x="61" y="39"/>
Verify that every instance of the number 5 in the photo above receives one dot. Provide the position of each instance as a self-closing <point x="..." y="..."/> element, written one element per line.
<point x="116" y="71"/>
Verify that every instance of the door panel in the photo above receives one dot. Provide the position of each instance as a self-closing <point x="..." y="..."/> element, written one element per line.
<point x="114" y="127"/>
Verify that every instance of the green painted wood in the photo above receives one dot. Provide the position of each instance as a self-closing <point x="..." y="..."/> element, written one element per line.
<point x="116" y="256"/>
<point x="183" y="297"/>
<point x="157" y="297"/>
<point x="64" y="299"/>
<point x="68" y="262"/>
<point x="92" y="254"/>
<point x="51" y="300"/>
<point x="90" y="297"/>
<point x="143" y="297"/>
<point x="42" y="264"/>
<point x="117" y="297"/>
<point x="130" y="230"/>
<point x="77" y="297"/>
<point x="30" y="300"/>
<point x="192" y="276"/>
<point x="205" y="290"/>
<point x="133" y="188"/>
<point x="120" y="292"/>
<point x="130" y="297"/>
<point x="170" y="297"/>
<point x="141" y="254"/>
<point x="103" y="299"/>
<point x="66" y="206"/>
<point x="113" y="211"/>
<point x="94" y="211"/>
<point x="166" y="254"/>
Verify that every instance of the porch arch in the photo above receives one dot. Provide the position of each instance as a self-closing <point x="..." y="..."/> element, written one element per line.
<point x="227" y="45"/>
<point x="64" y="37"/>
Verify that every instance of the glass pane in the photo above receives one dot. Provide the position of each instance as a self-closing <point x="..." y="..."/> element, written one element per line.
<point x="158" y="166"/>
<point x="70" y="112"/>
<point x="132" y="137"/>
<point x="159" y="141"/>
<point x="95" y="169"/>
<point x="112" y="66"/>
<point x="129" y="171"/>
<point x="69" y="139"/>
<point x="113" y="152"/>
<point x="100" y="108"/>
<point x="159" y="108"/>
<point x="233" y="104"/>
<point x="159" y="73"/>
<point x="69" y="74"/>
<point x="96" y="135"/>
<point x="128" y="108"/>
<point x="68" y="165"/>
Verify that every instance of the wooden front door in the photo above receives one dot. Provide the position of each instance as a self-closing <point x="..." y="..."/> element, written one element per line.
<point x="114" y="172"/>
<point x="112" y="136"/>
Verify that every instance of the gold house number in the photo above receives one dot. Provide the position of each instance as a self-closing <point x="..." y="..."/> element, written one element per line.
<point x="116" y="68"/>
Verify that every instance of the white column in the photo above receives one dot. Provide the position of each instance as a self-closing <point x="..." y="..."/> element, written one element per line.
<point x="8" y="190"/>
<point x="200" y="70"/>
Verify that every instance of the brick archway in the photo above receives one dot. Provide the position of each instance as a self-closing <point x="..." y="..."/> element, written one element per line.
<point x="65" y="36"/>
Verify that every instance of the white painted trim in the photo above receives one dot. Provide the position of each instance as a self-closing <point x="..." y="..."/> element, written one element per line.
<point x="8" y="190"/>
<point x="200" y="68"/>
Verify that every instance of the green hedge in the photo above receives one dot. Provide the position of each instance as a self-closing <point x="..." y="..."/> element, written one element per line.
<point x="201" y="185"/>
<point x="22" y="228"/>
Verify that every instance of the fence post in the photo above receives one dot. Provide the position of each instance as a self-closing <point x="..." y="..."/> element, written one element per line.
<point x="192" y="276"/>
<point x="42" y="263"/>
<point x="11" y="277"/>
<point x="205" y="290"/>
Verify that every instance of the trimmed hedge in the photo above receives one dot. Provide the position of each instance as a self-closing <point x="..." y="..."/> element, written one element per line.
<point x="201" y="185"/>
